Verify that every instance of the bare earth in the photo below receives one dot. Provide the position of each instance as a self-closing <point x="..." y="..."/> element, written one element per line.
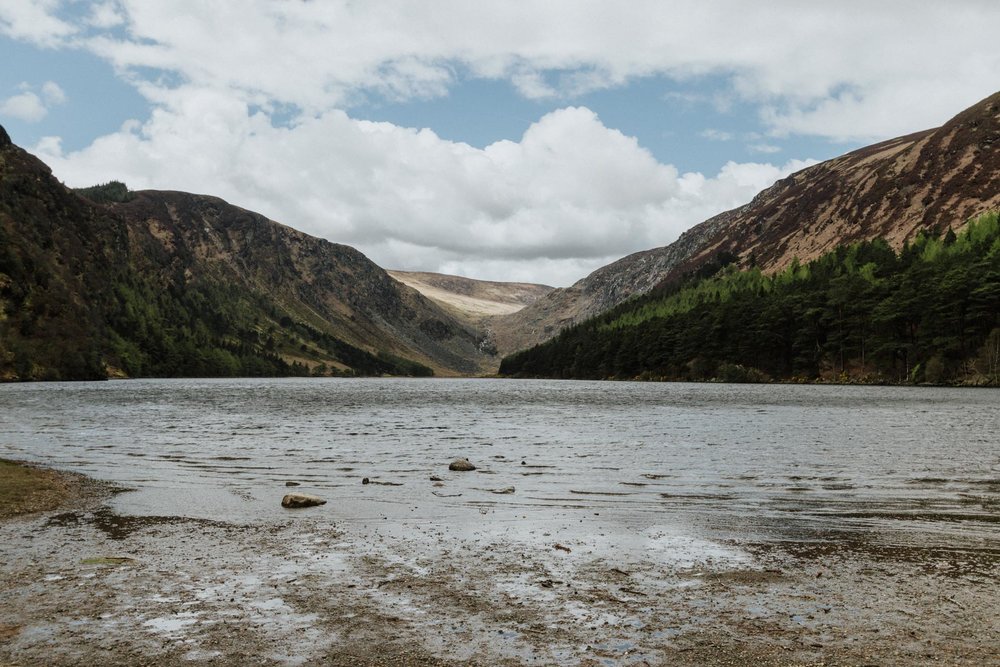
<point x="85" y="585"/>
<point x="471" y="298"/>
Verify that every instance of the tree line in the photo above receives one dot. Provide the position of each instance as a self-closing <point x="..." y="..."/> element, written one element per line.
<point x="929" y="313"/>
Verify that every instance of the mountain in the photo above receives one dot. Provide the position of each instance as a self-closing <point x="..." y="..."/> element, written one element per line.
<point x="168" y="283"/>
<point x="475" y="302"/>
<point x="930" y="180"/>
<point x="473" y="298"/>
<point x="929" y="313"/>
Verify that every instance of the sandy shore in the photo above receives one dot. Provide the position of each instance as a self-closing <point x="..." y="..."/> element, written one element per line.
<point x="85" y="585"/>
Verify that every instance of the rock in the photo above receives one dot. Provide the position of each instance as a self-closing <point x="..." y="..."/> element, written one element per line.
<point x="291" y="484"/>
<point x="301" y="500"/>
<point x="461" y="465"/>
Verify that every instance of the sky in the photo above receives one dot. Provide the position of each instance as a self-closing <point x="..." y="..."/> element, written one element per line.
<point x="522" y="140"/>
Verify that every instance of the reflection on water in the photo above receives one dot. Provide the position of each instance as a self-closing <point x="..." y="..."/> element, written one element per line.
<point x="897" y="463"/>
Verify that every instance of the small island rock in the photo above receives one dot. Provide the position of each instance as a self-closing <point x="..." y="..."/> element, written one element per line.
<point x="461" y="465"/>
<point x="301" y="500"/>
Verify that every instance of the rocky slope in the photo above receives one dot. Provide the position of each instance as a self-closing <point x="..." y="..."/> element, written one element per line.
<point x="175" y="283"/>
<point x="929" y="180"/>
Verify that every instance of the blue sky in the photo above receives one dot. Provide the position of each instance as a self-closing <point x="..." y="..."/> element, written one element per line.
<point x="559" y="135"/>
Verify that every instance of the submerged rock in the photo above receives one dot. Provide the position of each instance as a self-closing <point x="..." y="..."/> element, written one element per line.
<point x="301" y="500"/>
<point x="461" y="465"/>
<point x="504" y="491"/>
<point x="291" y="484"/>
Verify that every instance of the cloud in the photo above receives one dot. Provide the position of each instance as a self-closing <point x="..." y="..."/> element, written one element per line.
<point x="842" y="70"/>
<point x="248" y="98"/>
<point x="26" y="106"/>
<point x="29" y="106"/>
<point x="53" y="94"/>
<point x="764" y="148"/>
<point x="34" y="21"/>
<point x="105" y="15"/>
<point x="564" y="199"/>
<point x="716" y="135"/>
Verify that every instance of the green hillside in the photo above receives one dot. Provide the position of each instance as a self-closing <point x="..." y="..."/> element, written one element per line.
<point x="83" y="297"/>
<point x="929" y="313"/>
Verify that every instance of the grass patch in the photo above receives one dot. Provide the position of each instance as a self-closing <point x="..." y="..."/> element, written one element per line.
<point x="107" y="560"/>
<point x="25" y="488"/>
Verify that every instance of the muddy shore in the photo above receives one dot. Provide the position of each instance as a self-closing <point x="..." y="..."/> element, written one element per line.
<point x="83" y="584"/>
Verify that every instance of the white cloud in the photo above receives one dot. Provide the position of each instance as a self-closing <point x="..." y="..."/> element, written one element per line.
<point x="713" y="134"/>
<point x="26" y="106"/>
<point x="105" y="15"/>
<point x="34" y="21"/>
<point x="560" y="202"/>
<point x="568" y="195"/>
<point x="53" y="94"/>
<point x="29" y="106"/>
<point x="850" y="69"/>
<point x="764" y="148"/>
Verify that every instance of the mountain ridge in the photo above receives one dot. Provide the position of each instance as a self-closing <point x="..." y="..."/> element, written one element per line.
<point x="893" y="189"/>
<point x="163" y="282"/>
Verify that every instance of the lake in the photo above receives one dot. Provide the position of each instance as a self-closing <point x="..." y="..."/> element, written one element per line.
<point x="606" y="523"/>
<point x="761" y="458"/>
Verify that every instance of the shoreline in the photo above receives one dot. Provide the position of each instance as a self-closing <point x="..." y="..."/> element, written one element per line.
<point x="28" y="488"/>
<point x="799" y="382"/>
<point x="81" y="583"/>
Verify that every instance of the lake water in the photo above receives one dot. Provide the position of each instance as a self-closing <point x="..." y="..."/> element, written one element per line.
<point x="771" y="462"/>
<point x="607" y="523"/>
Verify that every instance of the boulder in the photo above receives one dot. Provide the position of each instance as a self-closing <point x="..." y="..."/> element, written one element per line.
<point x="301" y="500"/>
<point x="461" y="465"/>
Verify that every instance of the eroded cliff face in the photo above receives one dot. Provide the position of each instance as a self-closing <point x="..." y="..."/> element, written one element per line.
<point x="930" y="180"/>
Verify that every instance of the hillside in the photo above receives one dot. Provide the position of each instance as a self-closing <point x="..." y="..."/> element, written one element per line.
<point x="470" y="297"/>
<point x="929" y="313"/>
<point x="477" y="303"/>
<point x="168" y="283"/>
<point x="931" y="180"/>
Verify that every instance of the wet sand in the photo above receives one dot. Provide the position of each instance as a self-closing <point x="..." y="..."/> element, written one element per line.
<point x="491" y="587"/>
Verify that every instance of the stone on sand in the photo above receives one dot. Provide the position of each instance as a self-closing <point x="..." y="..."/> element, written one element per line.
<point x="301" y="500"/>
<point x="461" y="465"/>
